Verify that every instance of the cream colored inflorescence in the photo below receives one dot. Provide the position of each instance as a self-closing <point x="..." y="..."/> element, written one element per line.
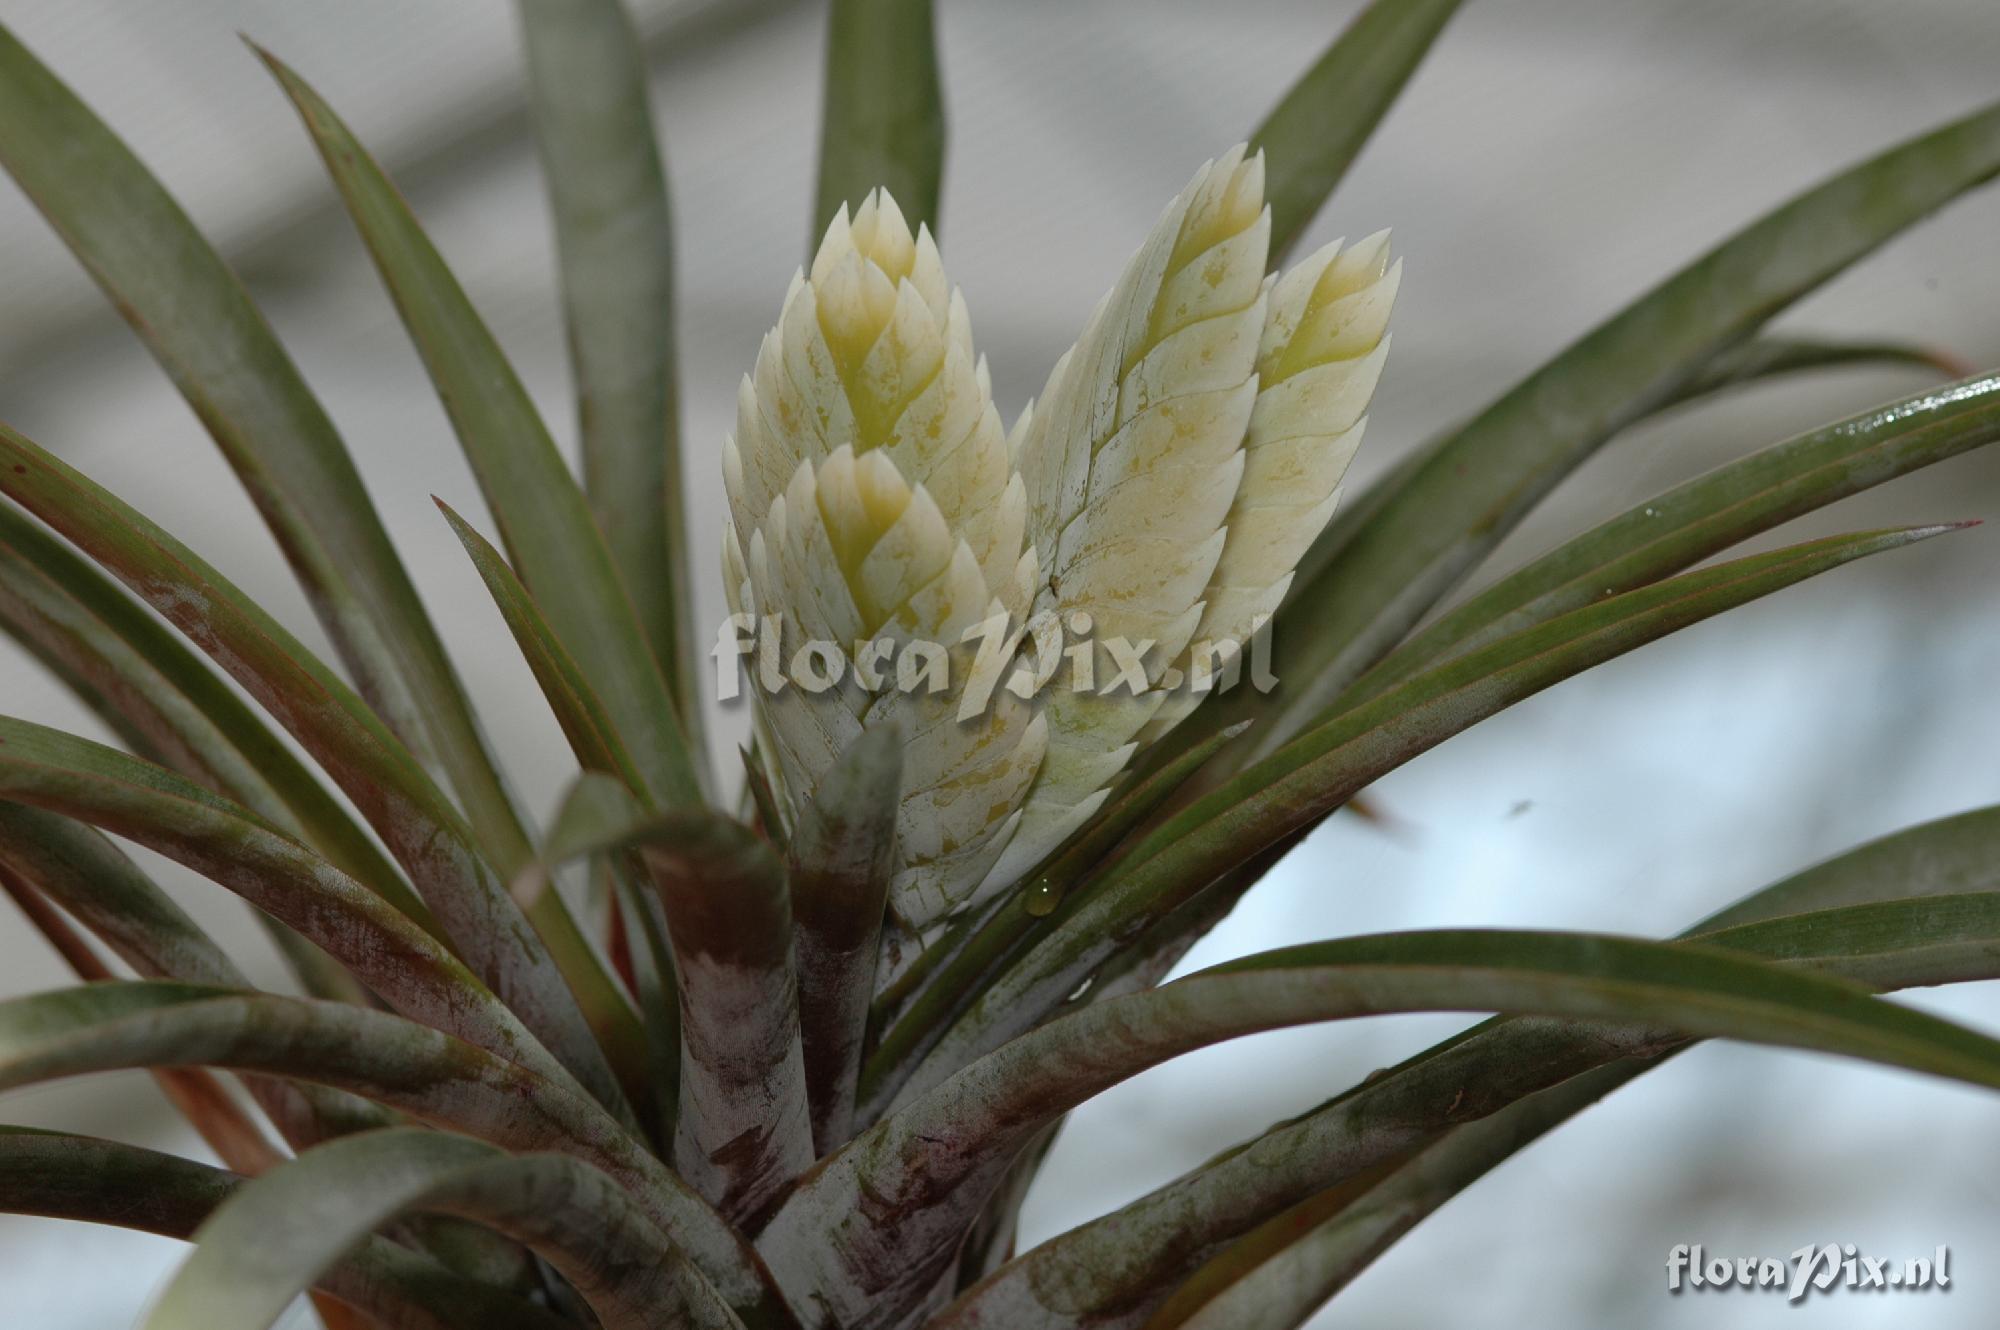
<point x="1183" y="455"/>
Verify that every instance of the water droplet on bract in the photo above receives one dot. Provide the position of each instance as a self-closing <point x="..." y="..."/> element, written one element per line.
<point x="1041" y="899"/>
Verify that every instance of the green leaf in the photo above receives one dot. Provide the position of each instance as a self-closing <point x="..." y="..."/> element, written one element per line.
<point x="100" y="887"/>
<point x="199" y="1097"/>
<point x="403" y="964"/>
<point x="1916" y="924"/>
<point x="762" y="800"/>
<point x="432" y="1076"/>
<point x="614" y="236"/>
<point x="198" y="321"/>
<point x="1763" y="358"/>
<point x="337" y="728"/>
<point x="545" y="522"/>
<point x="1687" y="524"/>
<point x="744" y="1129"/>
<point x="1362" y="588"/>
<point x="1405" y="1107"/>
<point x="1295" y="787"/>
<point x="871" y="1260"/>
<point x="79" y="1178"/>
<point x="840" y="864"/>
<point x="192" y="720"/>
<point x="1323" y="121"/>
<point x="592" y="735"/>
<point x="599" y="748"/>
<point x="276" y="1237"/>
<point x="1952" y="855"/>
<point x="882" y="121"/>
<point x="115" y="678"/>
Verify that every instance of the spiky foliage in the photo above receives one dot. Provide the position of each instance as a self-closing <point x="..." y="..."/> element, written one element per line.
<point x="799" y="1069"/>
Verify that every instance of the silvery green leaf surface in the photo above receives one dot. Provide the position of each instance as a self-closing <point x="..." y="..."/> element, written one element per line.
<point x="544" y="519"/>
<point x="279" y="1235"/>
<point x="882" y="121"/>
<point x="986" y="1113"/>
<point x="80" y="1178"/>
<point x="196" y="318"/>
<point x="614" y="238"/>
<point x="431" y="1076"/>
<point x="413" y="817"/>
<point x="1905" y="909"/>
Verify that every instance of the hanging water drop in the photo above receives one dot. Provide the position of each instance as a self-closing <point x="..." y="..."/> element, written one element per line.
<point x="1041" y="899"/>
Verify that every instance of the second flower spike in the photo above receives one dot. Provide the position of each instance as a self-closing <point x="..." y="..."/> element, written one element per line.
<point x="1132" y="459"/>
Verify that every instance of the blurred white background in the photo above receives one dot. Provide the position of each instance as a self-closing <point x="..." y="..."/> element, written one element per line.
<point x="1551" y="160"/>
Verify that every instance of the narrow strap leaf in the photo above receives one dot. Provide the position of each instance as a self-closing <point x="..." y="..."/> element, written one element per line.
<point x="277" y="1236"/>
<point x="599" y="748"/>
<point x="431" y="1076"/>
<point x="100" y="887"/>
<point x="545" y="521"/>
<point x="840" y="863"/>
<point x="1941" y="860"/>
<point x="1771" y="357"/>
<point x="1405" y="1107"/>
<point x="336" y="727"/>
<point x="403" y="964"/>
<point x="1687" y="524"/>
<point x="876" y="1261"/>
<point x="614" y="237"/>
<point x="882" y="122"/>
<point x="1362" y="588"/>
<point x="196" y="318"/>
<point x="190" y="718"/>
<point x="197" y="1095"/>
<point x="1323" y="121"/>
<point x="80" y="1178"/>
<point x="1952" y="855"/>
<point x="1304" y="781"/>
<point x="592" y="735"/>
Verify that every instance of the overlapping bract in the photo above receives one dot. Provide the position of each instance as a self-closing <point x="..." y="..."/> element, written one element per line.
<point x="1182" y="456"/>
<point x="872" y="500"/>
<point x="1324" y="343"/>
<point x="1132" y="457"/>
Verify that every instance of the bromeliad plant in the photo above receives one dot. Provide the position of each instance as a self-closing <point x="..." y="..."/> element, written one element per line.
<point x="667" y="1066"/>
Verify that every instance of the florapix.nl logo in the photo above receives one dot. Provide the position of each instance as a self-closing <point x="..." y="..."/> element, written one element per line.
<point x="1813" y="1268"/>
<point x="1047" y="651"/>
